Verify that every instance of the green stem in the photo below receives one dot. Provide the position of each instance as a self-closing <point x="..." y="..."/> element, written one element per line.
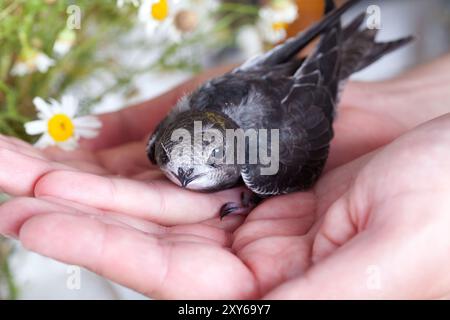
<point x="238" y="8"/>
<point x="10" y="98"/>
<point x="12" y="288"/>
<point x="9" y="9"/>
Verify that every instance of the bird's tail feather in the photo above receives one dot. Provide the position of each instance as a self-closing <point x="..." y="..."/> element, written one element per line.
<point x="344" y="51"/>
<point x="360" y="49"/>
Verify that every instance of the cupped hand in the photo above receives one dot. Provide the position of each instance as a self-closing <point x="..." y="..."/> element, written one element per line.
<point x="387" y="210"/>
<point x="384" y="233"/>
<point x="108" y="210"/>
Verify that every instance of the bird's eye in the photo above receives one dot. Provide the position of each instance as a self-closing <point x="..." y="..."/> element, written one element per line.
<point x="217" y="152"/>
<point x="215" y="157"/>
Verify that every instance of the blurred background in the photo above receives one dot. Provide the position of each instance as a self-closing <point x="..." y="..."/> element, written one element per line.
<point x="112" y="54"/>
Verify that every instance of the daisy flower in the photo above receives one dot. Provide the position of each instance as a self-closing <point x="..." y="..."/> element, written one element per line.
<point x="275" y="18"/>
<point x="157" y="15"/>
<point x="193" y="16"/>
<point x="59" y="125"/>
<point x="121" y="3"/>
<point x="175" y="19"/>
<point x="64" y="42"/>
<point x="31" y="60"/>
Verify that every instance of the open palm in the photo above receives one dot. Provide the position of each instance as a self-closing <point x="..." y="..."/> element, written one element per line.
<point x="107" y="209"/>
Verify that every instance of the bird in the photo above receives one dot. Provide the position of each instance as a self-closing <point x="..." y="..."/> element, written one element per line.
<point x="294" y="98"/>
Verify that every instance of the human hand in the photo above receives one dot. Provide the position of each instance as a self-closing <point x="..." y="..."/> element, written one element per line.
<point x="388" y="209"/>
<point x="384" y="233"/>
<point x="277" y="224"/>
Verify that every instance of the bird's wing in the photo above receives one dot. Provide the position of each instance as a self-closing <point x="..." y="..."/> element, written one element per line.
<point x="306" y="130"/>
<point x="303" y="142"/>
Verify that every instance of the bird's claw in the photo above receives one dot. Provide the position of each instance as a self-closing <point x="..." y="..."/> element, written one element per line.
<point x="248" y="201"/>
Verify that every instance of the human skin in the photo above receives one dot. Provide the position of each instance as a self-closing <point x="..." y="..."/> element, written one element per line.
<point x="380" y="210"/>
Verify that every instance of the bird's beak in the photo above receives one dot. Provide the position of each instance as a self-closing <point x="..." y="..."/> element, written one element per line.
<point x="184" y="177"/>
<point x="183" y="181"/>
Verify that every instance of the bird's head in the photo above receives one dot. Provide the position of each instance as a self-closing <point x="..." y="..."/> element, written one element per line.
<point x="191" y="151"/>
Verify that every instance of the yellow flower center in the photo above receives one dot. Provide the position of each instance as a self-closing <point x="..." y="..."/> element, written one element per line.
<point x="60" y="127"/>
<point x="278" y="26"/>
<point x="160" y="10"/>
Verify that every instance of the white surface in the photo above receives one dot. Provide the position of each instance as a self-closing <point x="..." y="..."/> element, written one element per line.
<point x="42" y="278"/>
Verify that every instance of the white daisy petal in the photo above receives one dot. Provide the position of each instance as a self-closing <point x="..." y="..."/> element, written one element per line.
<point x="36" y="127"/>
<point x="151" y="27"/>
<point x="61" y="48"/>
<point x="43" y="107"/>
<point x="69" y="105"/>
<point x="87" y="133"/>
<point x="19" y="69"/>
<point x="43" y="62"/>
<point x="89" y="122"/>
<point x="144" y="10"/>
<point x="55" y="106"/>
<point x="44" y="142"/>
<point x="68" y="145"/>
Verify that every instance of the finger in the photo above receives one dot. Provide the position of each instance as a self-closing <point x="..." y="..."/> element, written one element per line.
<point x="289" y="215"/>
<point x="86" y="167"/>
<point x="23" y="164"/>
<point x="229" y="225"/>
<point x="158" y="201"/>
<point x="149" y="175"/>
<point x="134" y="123"/>
<point x="147" y="264"/>
<point x="337" y="227"/>
<point x="14" y="213"/>
<point x="343" y="275"/>
<point x="20" y="172"/>
<point x="276" y="259"/>
<point x="59" y="155"/>
<point x="19" y="146"/>
<point x="335" y="183"/>
<point x="294" y="205"/>
<point x="200" y="230"/>
<point x="255" y="230"/>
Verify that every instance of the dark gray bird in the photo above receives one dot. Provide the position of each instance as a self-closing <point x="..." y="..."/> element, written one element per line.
<point x="275" y="90"/>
